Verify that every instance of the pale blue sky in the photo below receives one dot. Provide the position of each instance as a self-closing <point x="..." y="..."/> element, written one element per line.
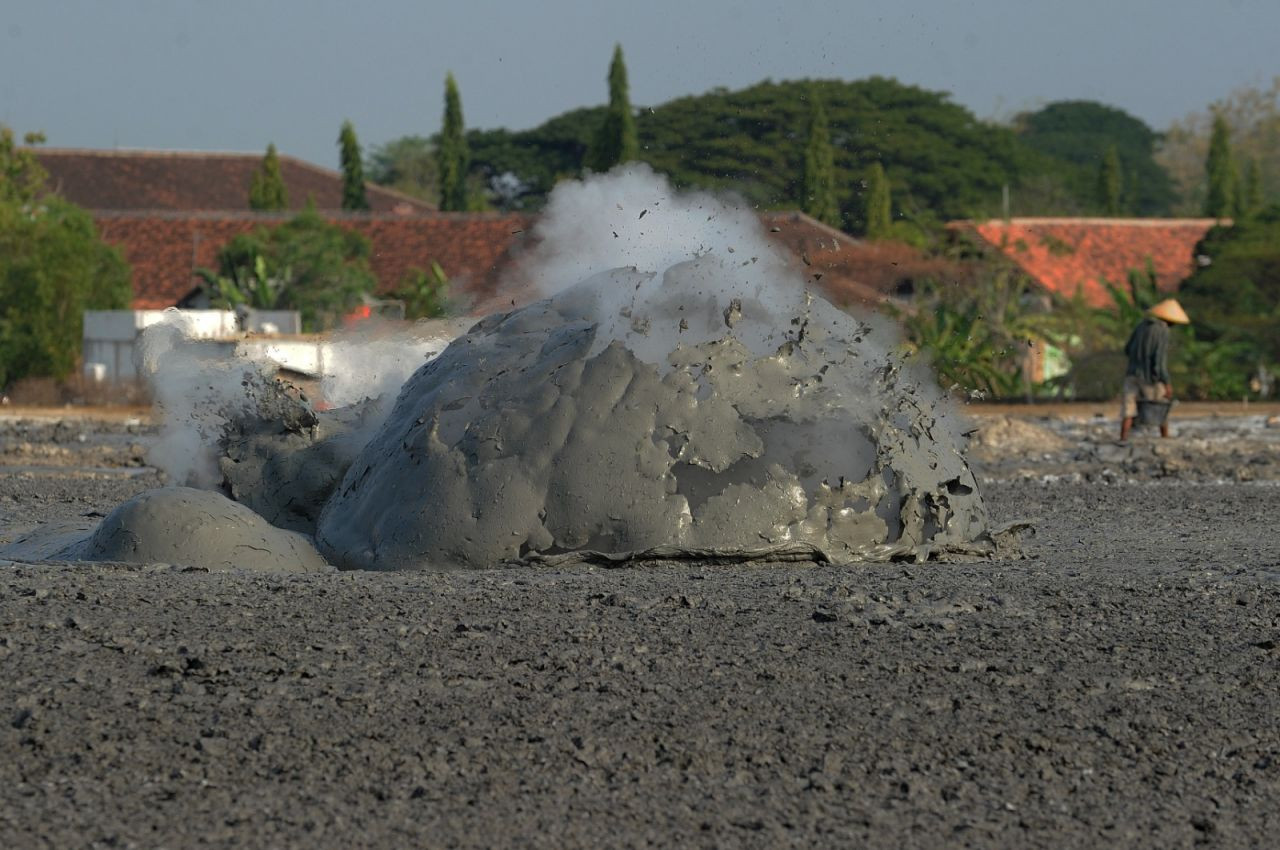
<point x="235" y="74"/>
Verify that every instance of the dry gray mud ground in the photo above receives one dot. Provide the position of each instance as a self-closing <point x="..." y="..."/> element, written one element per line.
<point x="1119" y="687"/>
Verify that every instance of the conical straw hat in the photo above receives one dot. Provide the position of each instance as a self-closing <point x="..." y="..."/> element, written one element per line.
<point x="1171" y="311"/>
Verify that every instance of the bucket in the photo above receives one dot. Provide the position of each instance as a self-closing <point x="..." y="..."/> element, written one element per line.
<point x="1153" y="412"/>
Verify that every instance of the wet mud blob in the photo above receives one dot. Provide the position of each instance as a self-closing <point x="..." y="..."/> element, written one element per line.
<point x="199" y="528"/>
<point x="677" y="391"/>
<point x="638" y="410"/>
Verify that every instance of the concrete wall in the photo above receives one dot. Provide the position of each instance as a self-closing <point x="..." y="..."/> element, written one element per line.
<point x="110" y="335"/>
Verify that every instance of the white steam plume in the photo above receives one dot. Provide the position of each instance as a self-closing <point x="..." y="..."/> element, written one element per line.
<point x="633" y="217"/>
<point x="670" y="261"/>
<point x="201" y="386"/>
<point x="198" y="390"/>
<point x="360" y="365"/>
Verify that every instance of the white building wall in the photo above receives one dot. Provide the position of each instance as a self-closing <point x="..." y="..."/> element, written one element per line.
<point x="110" y="335"/>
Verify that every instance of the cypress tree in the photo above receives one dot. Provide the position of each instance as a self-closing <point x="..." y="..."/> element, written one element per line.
<point x="452" y="155"/>
<point x="267" y="191"/>
<point x="879" y="202"/>
<point x="616" y="141"/>
<point x="819" y="168"/>
<point x="1251" y="196"/>
<point x="1220" y="202"/>
<point x="353" y="197"/>
<point x="1110" y="182"/>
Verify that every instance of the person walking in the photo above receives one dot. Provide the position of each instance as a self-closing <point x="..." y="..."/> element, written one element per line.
<point x="1147" y="376"/>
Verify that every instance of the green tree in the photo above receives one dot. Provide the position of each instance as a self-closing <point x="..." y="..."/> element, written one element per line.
<point x="616" y="141"/>
<point x="877" y="216"/>
<point x="1251" y="196"/>
<point x="306" y="264"/>
<point x="945" y="162"/>
<point x="21" y="177"/>
<point x="452" y="156"/>
<point x="1110" y="183"/>
<point x="408" y="165"/>
<point x="1220" y="168"/>
<point x="1236" y="295"/>
<point x="1253" y="115"/>
<point x="53" y="267"/>
<point x="975" y="335"/>
<point x="353" y="197"/>
<point x="425" y="293"/>
<point x="1068" y="135"/>
<point x="267" y="191"/>
<point x="531" y="162"/>
<point x="819" y="169"/>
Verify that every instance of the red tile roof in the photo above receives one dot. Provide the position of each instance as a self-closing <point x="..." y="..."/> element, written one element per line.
<point x="1070" y="255"/>
<point x="844" y="269"/>
<point x="165" y="249"/>
<point x="195" y="181"/>
<point x="853" y="271"/>
<point x="474" y="249"/>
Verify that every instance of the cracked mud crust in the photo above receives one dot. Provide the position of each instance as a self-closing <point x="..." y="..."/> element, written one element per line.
<point x="1116" y="689"/>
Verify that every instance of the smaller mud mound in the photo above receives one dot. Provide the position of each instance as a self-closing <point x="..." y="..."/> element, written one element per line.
<point x="198" y="528"/>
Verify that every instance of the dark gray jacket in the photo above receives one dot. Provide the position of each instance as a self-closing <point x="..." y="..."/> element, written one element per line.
<point x="1148" y="350"/>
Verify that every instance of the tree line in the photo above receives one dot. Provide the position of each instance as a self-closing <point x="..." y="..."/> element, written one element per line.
<point x="875" y="157"/>
<point x="837" y="148"/>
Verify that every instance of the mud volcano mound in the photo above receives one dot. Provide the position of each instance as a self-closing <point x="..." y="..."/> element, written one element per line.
<point x="181" y="525"/>
<point x="636" y="410"/>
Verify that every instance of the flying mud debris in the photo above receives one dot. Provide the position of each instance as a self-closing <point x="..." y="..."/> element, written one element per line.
<point x="662" y="402"/>
<point x="577" y="424"/>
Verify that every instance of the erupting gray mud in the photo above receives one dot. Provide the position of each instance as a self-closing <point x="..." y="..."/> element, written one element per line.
<point x="557" y="428"/>
<point x="677" y="390"/>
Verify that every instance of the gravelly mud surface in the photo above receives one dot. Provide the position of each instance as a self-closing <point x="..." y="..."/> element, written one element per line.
<point x="1119" y="687"/>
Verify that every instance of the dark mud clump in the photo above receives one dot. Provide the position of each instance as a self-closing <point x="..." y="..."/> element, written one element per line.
<point x="285" y="460"/>
<point x="676" y="416"/>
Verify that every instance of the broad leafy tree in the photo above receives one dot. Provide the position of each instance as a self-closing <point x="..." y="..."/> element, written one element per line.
<point x="53" y="267"/>
<point x="425" y="292"/>
<point x="452" y="155"/>
<point x="407" y="164"/>
<point x="944" y="161"/>
<point x="267" y="191"/>
<point x="1236" y="296"/>
<point x="533" y="161"/>
<point x="616" y="141"/>
<point x="306" y="264"/>
<point x="1074" y="138"/>
<point x="353" y="196"/>
<point x="819" y="196"/>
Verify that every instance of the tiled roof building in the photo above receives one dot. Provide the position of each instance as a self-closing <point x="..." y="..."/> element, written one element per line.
<point x="171" y="212"/>
<point x="187" y="181"/>
<point x="1070" y="255"/>
<point x="166" y="249"/>
<point x="852" y="271"/>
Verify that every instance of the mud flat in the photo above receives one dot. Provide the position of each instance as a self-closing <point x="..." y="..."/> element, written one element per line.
<point x="1118" y="687"/>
